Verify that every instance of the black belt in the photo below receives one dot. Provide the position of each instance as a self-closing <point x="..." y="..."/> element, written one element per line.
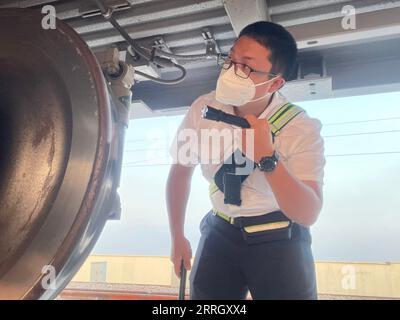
<point x="239" y="222"/>
<point x="297" y="231"/>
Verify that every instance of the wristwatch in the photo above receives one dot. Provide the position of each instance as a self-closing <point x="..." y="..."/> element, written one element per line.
<point x="268" y="164"/>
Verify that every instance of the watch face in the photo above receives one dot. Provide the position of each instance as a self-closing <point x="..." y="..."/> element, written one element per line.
<point x="268" y="164"/>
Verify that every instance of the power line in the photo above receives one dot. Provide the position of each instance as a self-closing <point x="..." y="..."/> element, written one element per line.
<point x="360" y="121"/>
<point x="362" y="154"/>
<point x="143" y="161"/>
<point x="146" y="149"/>
<point x="147" y="165"/>
<point x="331" y="136"/>
<point x="144" y="140"/>
<point x="324" y="124"/>
<point x="360" y="133"/>
<point x="329" y="124"/>
<point x="139" y="164"/>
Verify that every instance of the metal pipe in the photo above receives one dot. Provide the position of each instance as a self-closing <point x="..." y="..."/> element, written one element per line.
<point x="186" y="57"/>
<point x="107" y="14"/>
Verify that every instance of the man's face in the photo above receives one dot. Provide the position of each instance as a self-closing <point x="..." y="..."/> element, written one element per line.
<point x="250" y="52"/>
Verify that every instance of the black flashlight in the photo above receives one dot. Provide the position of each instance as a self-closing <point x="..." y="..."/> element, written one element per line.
<point x="211" y="113"/>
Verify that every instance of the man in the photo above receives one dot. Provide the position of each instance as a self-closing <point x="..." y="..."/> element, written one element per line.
<point x="255" y="238"/>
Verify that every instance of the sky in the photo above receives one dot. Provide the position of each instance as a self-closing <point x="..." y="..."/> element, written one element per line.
<point x="360" y="218"/>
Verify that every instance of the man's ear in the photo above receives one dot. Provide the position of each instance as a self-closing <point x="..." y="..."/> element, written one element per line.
<point x="277" y="84"/>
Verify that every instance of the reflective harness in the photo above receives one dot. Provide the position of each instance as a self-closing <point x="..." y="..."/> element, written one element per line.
<point x="227" y="180"/>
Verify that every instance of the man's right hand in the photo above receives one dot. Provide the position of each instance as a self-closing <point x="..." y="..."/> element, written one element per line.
<point x="181" y="250"/>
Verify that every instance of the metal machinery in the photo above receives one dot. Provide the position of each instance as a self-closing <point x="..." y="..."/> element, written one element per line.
<point x="65" y="96"/>
<point x="62" y="127"/>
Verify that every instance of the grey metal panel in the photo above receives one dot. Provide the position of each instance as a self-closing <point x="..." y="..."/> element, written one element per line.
<point x="199" y="48"/>
<point x="25" y="3"/>
<point x="187" y="38"/>
<point x="319" y="13"/>
<point x="180" y="22"/>
<point x="67" y="10"/>
<point x="154" y="11"/>
<point x="241" y="13"/>
<point x="172" y="25"/>
<point x="364" y="65"/>
<point x="370" y="27"/>
<point x="286" y="6"/>
<point x="199" y="81"/>
<point x="223" y="34"/>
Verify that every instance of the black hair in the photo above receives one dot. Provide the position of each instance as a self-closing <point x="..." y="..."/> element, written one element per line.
<point x="279" y="41"/>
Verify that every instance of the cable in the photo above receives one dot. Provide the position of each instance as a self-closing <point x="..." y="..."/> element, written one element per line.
<point x="360" y="133"/>
<point x="186" y="57"/>
<point x="162" y="62"/>
<point x="327" y="124"/>
<point x="148" y="165"/>
<point x="138" y="164"/>
<point x="145" y="140"/>
<point x="332" y="136"/>
<point x="142" y="150"/>
<point x="360" y="121"/>
<point x="165" y="81"/>
<point x="107" y="14"/>
<point x="145" y="160"/>
<point x="362" y="154"/>
<point x="150" y="57"/>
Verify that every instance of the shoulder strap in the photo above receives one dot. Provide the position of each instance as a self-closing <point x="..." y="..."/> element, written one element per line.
<point x="277" y="121"/>
<point x="283" y="116"/>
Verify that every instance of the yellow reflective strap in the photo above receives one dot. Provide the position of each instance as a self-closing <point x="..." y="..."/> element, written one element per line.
<point x="282" y="112"/>
<point x="282" y="118"/>
<point x="277" y="121"/>
<point x="267" y="226"/>
<point x="224" y="216"/>
<point x="273" y="129"/>
<point x="213" y="188"/>
<point x="278" y="112"/>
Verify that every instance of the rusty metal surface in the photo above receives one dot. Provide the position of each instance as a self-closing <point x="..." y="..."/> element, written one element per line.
<point x="113" y="291"/>
<point x="35" y="137"/>
<point x="56" y="134"/>
<point x="75" y="294"/>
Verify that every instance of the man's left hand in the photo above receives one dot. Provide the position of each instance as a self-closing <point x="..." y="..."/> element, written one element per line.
<point x="263" y="145"/>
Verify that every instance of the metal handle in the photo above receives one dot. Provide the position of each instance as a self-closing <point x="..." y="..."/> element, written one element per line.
<point x="211" y="113"/>
<point x="182" y="286"/>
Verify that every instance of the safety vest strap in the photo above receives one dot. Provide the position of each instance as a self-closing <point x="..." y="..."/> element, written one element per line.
<point x="277" y="122"/>
<point x="213" y="188"/>
<point x="283" y="116"/>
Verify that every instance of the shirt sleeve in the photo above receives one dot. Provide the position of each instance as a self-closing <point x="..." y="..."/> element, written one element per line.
<point x="185" y="145"/>
<point x="307" y="160"/>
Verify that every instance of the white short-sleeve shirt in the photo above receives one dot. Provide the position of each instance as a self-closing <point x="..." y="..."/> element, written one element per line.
<point x="299" y="145"/>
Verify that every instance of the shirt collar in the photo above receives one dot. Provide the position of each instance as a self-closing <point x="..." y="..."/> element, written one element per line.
<point x="277" y="101"/>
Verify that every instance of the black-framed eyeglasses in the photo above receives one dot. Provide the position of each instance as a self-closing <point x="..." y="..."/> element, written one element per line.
<point x="227" y="62"/>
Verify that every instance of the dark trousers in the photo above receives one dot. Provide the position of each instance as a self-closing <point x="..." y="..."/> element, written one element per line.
<point x="226" y="267"/>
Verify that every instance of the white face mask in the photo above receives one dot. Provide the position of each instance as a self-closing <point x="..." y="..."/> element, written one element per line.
<point x="236" y="91"/>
